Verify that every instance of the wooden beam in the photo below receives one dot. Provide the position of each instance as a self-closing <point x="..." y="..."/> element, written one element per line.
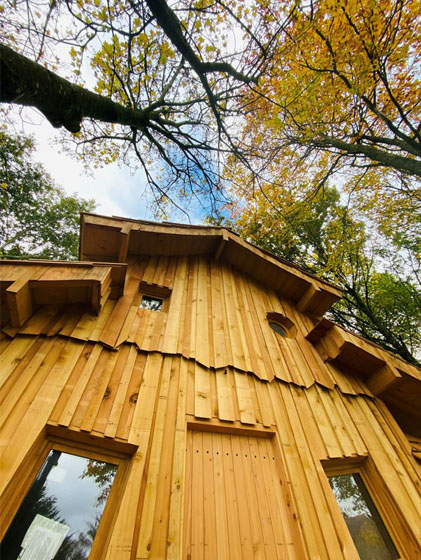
<point x="93" y="438"/>
<point x="383" y="379"/>
<point x="152" y="289"/>
<point x="19" y="298"/>
<point x="96" y="296"/>
<point x="124" y="242"/>
<point x="19" y="302"/>
<point x="232" y="428"/>
<point x="221" y="245"/>
<point x="309" y="298"/>
<point x="320" y="330"/>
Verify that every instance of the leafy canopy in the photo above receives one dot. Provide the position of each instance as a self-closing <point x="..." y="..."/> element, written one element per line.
<point x="192" y="83"/>
<point x="37" y="219"/>
<point x="345" y="89"/>
<point x="337" y="241"/>
<point x="167" y="80"/>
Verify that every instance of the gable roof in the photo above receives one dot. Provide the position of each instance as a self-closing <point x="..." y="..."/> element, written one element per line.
<point x="115" y="239"/>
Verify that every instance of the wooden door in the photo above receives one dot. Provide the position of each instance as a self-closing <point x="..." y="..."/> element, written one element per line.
<point x="237" y="501"/>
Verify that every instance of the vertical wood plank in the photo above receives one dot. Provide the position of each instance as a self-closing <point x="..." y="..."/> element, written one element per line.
<point x="39" y="410"/>
<point x="197" y="533"/>
<point x="202" y="394"/>
<point x="220" y="504"/>
<point x="245" y="402"/>
<point x="79" y="387"/>
<point x="224" y="393"/>
<point x="159" y="541"/>
<point x="202" y="351"/>
<point x="125" y="374"/>
<point x="150" y="498"/>
<point x="178" y="481"/>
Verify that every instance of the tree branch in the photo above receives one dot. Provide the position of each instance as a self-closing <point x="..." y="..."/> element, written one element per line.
<point x="27" y="83"/>
<point x="171" y="26"/>
<point x="404" y="164"/>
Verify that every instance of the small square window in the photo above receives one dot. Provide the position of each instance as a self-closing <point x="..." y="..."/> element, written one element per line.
<point x="151" y="303"/>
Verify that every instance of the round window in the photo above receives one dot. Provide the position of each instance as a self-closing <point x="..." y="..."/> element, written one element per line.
<point x="281" y="324"/>
<point x="278" y="328"/>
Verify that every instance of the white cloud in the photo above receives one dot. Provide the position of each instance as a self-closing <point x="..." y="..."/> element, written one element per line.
<point x="115" y="189"/>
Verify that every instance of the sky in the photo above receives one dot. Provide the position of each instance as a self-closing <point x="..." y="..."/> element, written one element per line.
<point x="115" y="190"/>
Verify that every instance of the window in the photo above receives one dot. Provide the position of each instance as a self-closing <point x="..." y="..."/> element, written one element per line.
<point x="151" y="303"/>
<point x="277" y="328"/>
<point x="362" y="518"/>
<point x="153" y="297"/>
<point x="281" y="324"/>
<point x="59" y="516"/>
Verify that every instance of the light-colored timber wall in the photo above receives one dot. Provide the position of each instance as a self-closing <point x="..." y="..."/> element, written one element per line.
<point x="216" y="316"/>
<point x="191" y="383"/>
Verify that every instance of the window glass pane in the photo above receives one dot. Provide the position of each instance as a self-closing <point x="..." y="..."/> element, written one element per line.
<point x="278" y="328"/>
<point x="59" y="516"/>
<point x="362" y="518"/>
<point x="148" y="302"/>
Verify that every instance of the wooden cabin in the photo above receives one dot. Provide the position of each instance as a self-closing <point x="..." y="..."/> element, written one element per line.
<point x="180" y="390"/>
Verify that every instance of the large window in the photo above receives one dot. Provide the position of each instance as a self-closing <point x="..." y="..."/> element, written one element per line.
<point x="59" y="516"/>
<point x="362" y="518"/>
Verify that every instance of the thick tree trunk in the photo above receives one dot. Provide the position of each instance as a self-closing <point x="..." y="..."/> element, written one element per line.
<point x="25" y="82"/>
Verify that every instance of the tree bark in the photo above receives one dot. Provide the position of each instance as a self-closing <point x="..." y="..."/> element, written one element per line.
<point x="404" y="164"/>
<point x="25" y="82"/>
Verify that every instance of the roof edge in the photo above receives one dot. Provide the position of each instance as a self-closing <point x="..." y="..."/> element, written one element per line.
<point x="242" y="241"/>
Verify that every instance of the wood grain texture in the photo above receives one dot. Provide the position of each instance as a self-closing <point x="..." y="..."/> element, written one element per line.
<point x="214" y="314"/>
<point x="141" y="378"/>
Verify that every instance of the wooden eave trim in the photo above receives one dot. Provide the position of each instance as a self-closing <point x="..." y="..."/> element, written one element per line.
<point x="314" y="295"/>
<point x="288" y="267"/>
<point x="19" y="293"/>
<point x="57" y="264"/>
<point x="116" y="224"/>
<point x="339" y="335"/>
<point x="147" y="225"/>
<point x="336" y="345"/>
<point x="118" y="270"/>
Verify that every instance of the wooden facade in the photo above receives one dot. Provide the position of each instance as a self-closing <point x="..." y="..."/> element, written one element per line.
<point x="224" y="430"/>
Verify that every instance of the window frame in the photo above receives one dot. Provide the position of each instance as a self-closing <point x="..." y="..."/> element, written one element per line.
<point x="284" y="322"/>
<point x="155" y="291"/>
<point x="394" y="523"/>
<point x="161" y="299"/>
<point x="22" y="482"/>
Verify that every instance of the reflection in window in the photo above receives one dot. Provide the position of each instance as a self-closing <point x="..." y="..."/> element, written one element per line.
<point x="59" y="517"/>
<point x="151" y="303"/>
<point x="362" y="518"/>
<point x="278" y="328"/>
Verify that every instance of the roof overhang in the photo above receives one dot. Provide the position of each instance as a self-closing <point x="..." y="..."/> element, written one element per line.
<point x="116" y="239"/>
<point x="26" y="284"/>
<point x="397" y="382"/>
